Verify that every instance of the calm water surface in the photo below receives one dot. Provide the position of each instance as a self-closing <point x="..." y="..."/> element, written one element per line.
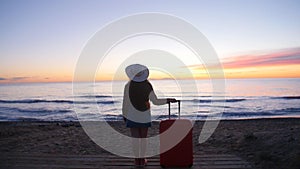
<point x="245" y="98"/>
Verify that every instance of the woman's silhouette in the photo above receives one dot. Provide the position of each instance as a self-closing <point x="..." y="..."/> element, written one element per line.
<point x="136" y="108"/>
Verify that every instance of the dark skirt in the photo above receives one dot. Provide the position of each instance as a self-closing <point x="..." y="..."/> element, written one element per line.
<point x="132" y="124"/>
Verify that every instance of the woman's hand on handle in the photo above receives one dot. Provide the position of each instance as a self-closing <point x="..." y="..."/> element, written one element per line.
<point x="171" y="100"/>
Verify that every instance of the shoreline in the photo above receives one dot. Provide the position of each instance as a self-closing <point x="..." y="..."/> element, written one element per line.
<point x="266" y="143"/>
<point x="61" y="122"/>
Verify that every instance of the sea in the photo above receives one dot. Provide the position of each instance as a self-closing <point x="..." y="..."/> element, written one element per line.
<point x="98" y="101"/>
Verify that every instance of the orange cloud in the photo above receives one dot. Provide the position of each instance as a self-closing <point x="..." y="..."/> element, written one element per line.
<point x="278" y="64"/>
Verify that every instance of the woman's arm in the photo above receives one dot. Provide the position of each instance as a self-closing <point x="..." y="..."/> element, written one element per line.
<point x="125" y="102"/>
<point x="156" y="101"/>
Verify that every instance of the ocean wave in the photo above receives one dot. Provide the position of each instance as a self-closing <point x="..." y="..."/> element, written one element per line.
<point x="47" y="118"/>
<point x="285" y="111"/>
<point x="36" y="101"/>
<point x="37" y="110"/>
<point x="36" y="114"/>
<point x="287" y="97"/>
<point x="110" y="117"/>
<point x="247" y="114"/>
<point x="225" y="100"/>
<point x="95" y="96"/>
<point x="172" y="116"/>
<point x="106" y="102"/>
<point x="289" y="110"/>
<point x="31" y="101"/>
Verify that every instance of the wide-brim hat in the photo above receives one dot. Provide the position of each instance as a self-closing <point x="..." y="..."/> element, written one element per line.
<point x="137" y="72"/>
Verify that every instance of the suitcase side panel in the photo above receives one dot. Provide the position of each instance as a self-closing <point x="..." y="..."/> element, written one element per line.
<point x="180" y="155"/>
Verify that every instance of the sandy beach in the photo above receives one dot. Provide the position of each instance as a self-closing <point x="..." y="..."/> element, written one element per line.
<point x="264" y="143"/>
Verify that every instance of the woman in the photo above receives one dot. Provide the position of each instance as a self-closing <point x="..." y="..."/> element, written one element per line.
<point x="136" y="108"/>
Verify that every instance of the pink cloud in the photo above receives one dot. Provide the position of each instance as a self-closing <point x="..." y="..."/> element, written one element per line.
<point x="283" y="57"/>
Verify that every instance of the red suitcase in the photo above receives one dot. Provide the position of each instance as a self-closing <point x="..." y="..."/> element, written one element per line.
<point x="180" y="135"/>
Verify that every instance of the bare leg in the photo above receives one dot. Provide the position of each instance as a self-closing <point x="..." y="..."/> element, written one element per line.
<point x="143" y="134"/>
<point x="135" y="143"/>
<point x="143" y="143"/>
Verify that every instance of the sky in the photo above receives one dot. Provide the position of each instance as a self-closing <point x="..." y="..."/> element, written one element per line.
<point x="40" y="41"/>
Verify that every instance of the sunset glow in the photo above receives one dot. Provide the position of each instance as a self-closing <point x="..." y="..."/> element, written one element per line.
<point x="279" y="64"/>
<point x="41" y="42"/>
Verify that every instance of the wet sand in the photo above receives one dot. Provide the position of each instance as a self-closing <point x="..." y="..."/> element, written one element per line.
<point x="265" y="143"/>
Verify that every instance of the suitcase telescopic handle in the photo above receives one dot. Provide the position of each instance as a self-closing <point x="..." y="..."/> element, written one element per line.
<point x="169" y="103"/>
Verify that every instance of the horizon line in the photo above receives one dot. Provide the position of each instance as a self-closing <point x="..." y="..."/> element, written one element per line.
<point x="162" y="79"/>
